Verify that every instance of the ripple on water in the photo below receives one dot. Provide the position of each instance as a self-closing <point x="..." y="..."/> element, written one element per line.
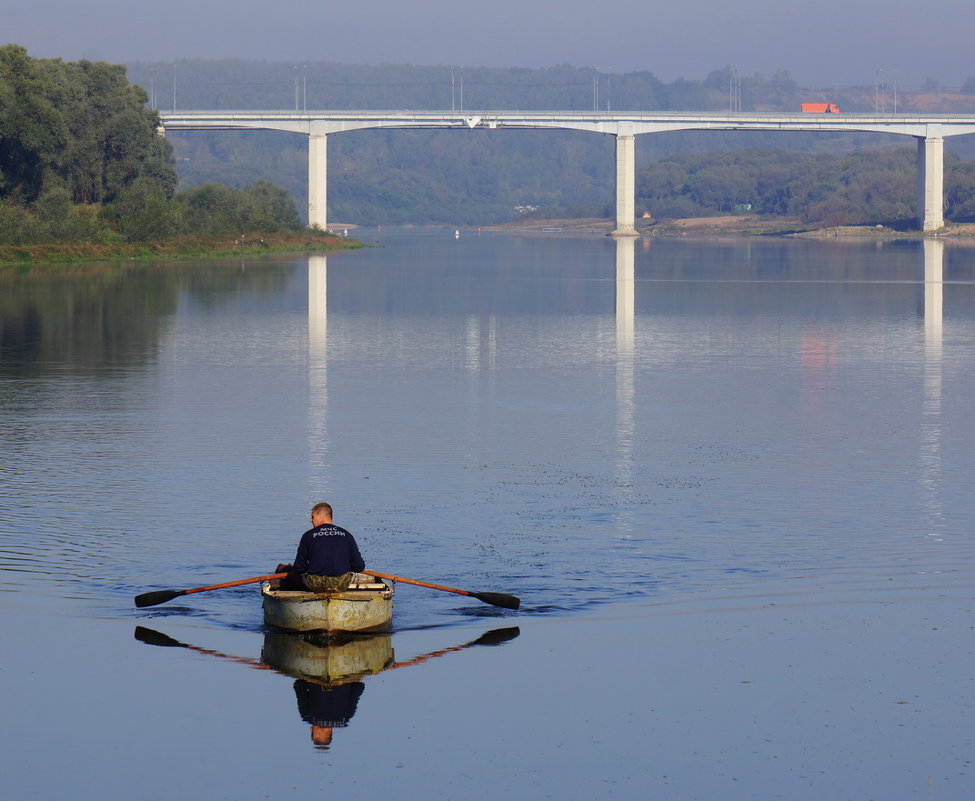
<point x="753" y="435"/>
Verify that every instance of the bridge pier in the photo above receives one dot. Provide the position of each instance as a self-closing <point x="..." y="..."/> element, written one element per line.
<point x="930" y="182"/>
<point x="930" y="131"/>
<point x="317" y="177"/>
<point x="625" y="186"/>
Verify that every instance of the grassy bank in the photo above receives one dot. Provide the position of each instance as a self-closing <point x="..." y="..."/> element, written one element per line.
<point x="14" y="256"/>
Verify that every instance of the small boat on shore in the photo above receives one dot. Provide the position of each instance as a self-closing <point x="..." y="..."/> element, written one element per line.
<point x="367" y="605"/>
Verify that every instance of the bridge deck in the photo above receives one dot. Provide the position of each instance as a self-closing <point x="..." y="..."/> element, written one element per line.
<point x="615" y="122"/>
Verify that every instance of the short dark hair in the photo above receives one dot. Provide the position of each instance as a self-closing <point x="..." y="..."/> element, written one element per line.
<point x="322" y="507"/>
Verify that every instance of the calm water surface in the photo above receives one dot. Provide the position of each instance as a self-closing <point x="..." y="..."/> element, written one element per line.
<point x="729" y="481"/>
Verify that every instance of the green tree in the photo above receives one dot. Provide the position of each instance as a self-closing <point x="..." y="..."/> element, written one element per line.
<point x="142" y="212"/>
<point x="216" y="210"/>
<point x="275" y="207"/>
<point x="81" y="159"/>
<point x="113" y="137"/>
<point x="32" y="130"/>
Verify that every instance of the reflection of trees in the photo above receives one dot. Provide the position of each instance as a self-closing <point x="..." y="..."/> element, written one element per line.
<point x="110" y="316"/>
<point x="80" y="323"/>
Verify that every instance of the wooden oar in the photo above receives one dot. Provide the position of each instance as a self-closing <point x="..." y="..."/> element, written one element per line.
<point x="161" y="596"/>
<point x="153" y="637"/>
<point x="493" y="598"/>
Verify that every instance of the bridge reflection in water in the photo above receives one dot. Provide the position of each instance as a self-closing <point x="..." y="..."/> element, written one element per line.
<point x="932" y="433"/>
<point x="480" y="348"/>
<point x="318" y="363"/>
<point x="625" y="355"/>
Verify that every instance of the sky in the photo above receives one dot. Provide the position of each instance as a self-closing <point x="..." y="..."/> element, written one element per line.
<point x="822" y="44"/>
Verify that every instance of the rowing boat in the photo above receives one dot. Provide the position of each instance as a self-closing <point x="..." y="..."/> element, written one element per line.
<point x="367" y="605"/>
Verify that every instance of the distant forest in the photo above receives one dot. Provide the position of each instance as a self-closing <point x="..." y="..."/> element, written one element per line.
<point x="483" y="177"/>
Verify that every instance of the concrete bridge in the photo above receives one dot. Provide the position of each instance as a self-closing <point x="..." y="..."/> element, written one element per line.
<point x="929" y="131"/>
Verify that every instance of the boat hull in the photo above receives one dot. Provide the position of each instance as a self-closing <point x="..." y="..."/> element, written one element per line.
<point x="361" y="608"/>
<point x="333" y="660"/>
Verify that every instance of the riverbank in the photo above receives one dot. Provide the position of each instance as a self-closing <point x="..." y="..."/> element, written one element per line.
<point x="19" y="256"/>
<point x="734" y="225"/>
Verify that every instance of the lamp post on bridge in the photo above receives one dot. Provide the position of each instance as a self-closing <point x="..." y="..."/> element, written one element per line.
<point x="301" y="70"/>
<point x="595" y="87"/>
<point x="453" y="101"/>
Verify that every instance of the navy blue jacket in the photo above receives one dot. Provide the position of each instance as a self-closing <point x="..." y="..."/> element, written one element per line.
<point x="328" y="550"/>
<point x="331" y="706"/>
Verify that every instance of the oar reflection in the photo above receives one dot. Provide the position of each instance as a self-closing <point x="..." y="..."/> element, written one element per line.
<point x="328" y="672"/>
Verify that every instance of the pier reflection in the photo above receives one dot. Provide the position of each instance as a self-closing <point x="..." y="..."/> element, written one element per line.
<point x="318" y="359"/>
<point x="625" y="354"/>
<point x="329" y="671"/>
<point x="933" y="258"/>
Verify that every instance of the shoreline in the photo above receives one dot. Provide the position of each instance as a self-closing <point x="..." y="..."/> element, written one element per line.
<point x="736" y="226"/>
<point x="13" y="257"/>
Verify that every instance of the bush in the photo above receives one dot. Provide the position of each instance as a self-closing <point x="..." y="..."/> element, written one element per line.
<point x="215" y="210"/>
<point x="14" y="222"/>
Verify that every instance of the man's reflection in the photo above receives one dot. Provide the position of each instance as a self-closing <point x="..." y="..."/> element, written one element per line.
<point x="327" y="707"/>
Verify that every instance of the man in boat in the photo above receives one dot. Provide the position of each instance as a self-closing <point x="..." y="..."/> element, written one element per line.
<point x="327" y="556"/>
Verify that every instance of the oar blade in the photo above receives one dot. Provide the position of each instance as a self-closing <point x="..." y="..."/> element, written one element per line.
<point x="497" y="636"/>
<point x="497" y="599"/>
<point x="157" y="597"/>
<point x="153" y="637"/>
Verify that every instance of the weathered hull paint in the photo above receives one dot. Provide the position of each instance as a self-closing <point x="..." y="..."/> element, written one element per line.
<point x="363" y="608"/>
<point x="330" y="660"/>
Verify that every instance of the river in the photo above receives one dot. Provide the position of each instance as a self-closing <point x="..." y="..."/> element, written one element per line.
<point x="729" y="481"/>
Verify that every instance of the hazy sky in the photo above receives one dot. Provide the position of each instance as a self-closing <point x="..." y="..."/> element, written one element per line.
<point x="825" y="43"/>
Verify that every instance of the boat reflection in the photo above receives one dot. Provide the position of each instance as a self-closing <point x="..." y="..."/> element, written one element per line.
<point x="328" y="671"/>
<point x="328" y="675"/>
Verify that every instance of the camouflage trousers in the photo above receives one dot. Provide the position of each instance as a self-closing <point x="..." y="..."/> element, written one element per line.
<point x="327" y="583"/>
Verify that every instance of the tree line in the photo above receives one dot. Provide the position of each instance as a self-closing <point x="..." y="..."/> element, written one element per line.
<point x="81" y="160"/>
<point x="817" y="189"/>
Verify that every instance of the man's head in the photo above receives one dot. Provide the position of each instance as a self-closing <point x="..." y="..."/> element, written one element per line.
<point x="321" y="513"/>
<point x="321" y="736"/>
